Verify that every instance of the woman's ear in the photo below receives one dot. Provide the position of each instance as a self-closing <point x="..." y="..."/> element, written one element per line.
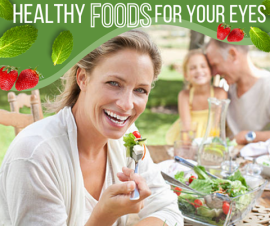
<point x="232" y="54"/>
<point x="81" y="78"/>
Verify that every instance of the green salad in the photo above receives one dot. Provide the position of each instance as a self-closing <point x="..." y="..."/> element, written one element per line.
<point x="212" y="201"/>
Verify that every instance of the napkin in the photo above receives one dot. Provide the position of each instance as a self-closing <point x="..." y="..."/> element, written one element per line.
<point x="256" y="149"/>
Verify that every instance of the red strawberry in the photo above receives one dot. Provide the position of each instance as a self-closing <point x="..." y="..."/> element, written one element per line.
<point x="236" y="35"/>
<point x="222" y="31"/>
<point x="8" y="76"/>
<point x="28" y="79"/>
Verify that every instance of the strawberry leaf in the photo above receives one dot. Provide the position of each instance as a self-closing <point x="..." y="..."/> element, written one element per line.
<point x="17" y="40"/>
<point x="62" y="47"/>
<point x="266" y="3"/>
<point x="6" y="10"/>
<point x="260" y="39"/>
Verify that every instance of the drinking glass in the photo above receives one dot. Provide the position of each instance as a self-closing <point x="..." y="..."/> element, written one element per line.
<point x="185" y="149"/>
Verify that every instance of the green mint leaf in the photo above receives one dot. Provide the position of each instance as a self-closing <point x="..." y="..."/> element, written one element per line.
<point x="260" y="39"/>
<point x="62" y="47"/>
<point x="6" y="10"/>
<point x="17" y="40"/>
<point x="266" y="3"/>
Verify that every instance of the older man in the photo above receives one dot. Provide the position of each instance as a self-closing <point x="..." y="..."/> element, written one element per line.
<point x="249" y="110"/>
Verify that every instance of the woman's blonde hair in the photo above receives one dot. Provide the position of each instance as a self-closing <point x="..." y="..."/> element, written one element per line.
<point x="134" y="39"/>
<point x="191" y="53"/>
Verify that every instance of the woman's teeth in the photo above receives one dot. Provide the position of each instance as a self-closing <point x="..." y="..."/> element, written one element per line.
<point x="116" y="118"/>
<point x="199" y="76"/>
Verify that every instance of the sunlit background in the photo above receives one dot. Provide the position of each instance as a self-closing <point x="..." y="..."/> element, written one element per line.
<point x="161" y="109"/>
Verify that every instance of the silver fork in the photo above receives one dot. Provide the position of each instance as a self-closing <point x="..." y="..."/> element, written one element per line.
<point x="135" y="195"/>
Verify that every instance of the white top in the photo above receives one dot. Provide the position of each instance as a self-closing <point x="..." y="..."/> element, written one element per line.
<point x="41" y="182"/>
<point x="252" y="110"/>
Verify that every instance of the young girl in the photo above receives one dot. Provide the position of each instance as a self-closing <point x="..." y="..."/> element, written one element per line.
<point x="192" y="102"/>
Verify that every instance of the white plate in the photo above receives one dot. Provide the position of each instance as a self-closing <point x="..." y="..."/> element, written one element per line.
<point x="171" y="167"/>
<point x="260" y="160"/>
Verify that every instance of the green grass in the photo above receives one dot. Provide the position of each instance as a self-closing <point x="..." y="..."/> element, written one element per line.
<point x="153" y="126"/>
<point x="164" y="93"/>
<point x="170" y="75"/>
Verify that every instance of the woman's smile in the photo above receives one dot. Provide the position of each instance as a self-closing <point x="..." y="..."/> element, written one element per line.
<point x="116" y="119"/>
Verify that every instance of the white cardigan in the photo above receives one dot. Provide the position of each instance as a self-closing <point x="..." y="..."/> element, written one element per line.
<point x="41" y="182"/>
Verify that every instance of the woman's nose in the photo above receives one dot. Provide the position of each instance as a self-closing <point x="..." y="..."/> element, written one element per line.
<point x="125" y="101"/>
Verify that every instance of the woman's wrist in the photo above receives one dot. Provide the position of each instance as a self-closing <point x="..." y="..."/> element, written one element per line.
<point x="99" y="218"/>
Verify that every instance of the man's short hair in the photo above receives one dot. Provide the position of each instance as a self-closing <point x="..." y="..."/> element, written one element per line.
<point x="224" y="47"/>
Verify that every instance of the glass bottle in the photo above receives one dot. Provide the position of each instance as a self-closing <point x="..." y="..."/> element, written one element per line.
<point x="213" y="149"/>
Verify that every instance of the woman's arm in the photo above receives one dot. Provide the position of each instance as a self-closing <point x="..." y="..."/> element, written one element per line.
<point x="161" y="207"/>
<point x="184" y="109"/>
<point x="32" y="195"/>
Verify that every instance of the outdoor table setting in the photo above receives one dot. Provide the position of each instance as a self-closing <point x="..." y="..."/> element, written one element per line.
<point x="217" y="181"/>
<point x="260" y="214"/>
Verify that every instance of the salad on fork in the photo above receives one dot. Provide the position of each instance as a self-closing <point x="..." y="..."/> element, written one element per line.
<point x="136" y="149"/>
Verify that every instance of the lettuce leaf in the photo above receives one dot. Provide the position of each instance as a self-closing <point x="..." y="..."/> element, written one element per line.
<point x="180" y="176"/>
<point x="204" y="186"/>
<point x="238" y="176"/>
<point x="129" y="140"/>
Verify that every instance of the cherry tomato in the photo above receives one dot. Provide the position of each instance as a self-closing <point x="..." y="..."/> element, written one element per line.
<point x="191" y="179"/>
<point x="226" y="207"/>
<point x="177" y="191"/>
<point x="137" y="134"/>
<point x="197" y="203"/>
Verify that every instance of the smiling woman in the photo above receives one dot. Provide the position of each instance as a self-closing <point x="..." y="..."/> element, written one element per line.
<point x="72" y="168"/>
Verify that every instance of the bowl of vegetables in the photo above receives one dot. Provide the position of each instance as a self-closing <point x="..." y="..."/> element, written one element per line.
<point x="214" y="201"/>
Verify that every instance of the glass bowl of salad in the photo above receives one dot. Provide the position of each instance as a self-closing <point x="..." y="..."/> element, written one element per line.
<point x="214" y="201"/>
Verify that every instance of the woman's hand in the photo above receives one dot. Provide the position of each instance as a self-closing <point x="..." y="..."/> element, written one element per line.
<point x="115" y="201"/>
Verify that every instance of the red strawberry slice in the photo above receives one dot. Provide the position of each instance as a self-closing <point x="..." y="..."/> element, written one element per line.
<point x="236" y="35"/>
<point x="8" y="76"/>
<point x="28" y="79"/>
<point x="222" y="31"/>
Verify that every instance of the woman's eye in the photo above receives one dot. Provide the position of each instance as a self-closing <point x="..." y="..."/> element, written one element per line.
<point x="140" y="90"/>
<point x="113" y="83"/>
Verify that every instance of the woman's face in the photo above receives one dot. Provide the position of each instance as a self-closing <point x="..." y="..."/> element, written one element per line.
<point x="198" y="71"/>
<point x="117" y="92"/>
